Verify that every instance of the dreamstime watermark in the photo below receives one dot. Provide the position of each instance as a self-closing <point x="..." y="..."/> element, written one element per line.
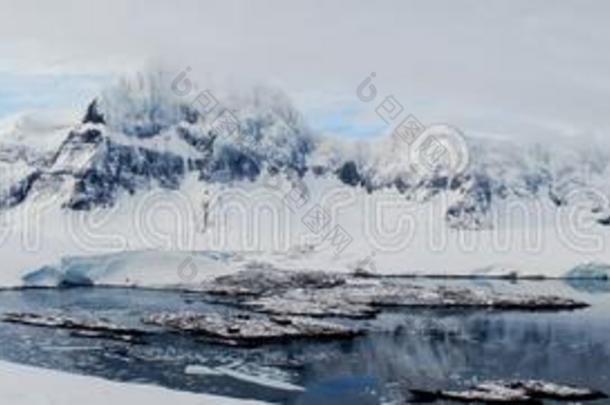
<point x="430" y="149"/>
<point x="226" y="123"/>
<point x="317" y="219"/>
<point x="265" y="219"/>
<point x="392" y="225"/>
<point x="222" y="121"/>
<point x="262" y="219"/>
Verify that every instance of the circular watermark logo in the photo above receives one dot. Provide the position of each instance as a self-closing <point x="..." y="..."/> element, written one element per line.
<point x="440" y="148"/>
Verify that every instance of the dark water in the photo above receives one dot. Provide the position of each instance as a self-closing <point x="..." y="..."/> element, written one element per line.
<point x="406" y="349"/>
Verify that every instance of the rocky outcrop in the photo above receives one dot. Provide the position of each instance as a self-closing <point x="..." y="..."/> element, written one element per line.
<point x="248" y="330"/>
<point x="323" y="294"/>
<point x="19" y="191"/>
<point x="93" y="115"/>
<point x="97" y="169"/>
<point x="119" y="168"/>
<point x="512" y="392"/>
<point x="258" y="282"/>
<point x="348" y="174"/>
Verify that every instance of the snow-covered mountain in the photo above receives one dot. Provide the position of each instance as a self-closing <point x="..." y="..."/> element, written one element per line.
<point x="135" y="138"/>
<point x="139" y="140"/>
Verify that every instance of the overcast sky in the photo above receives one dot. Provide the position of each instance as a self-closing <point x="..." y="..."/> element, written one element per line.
<point x="506" y="67"/>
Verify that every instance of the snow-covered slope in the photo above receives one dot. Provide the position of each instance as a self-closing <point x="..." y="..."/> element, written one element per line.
<point x="28" y="143"/>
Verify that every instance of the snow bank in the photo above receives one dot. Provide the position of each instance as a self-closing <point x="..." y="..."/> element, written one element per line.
<point x="22" y="385"/>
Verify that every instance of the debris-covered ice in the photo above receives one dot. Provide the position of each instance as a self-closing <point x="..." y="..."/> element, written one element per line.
<point x="490" y="392"/>
<point x="257" y="282"/>
<point x="92" y="328"/>
<point x="244" y="329"/>
<point x="321" y="294"/>
<point x="512" y="392"/>
<point x="319" y="303"/>
<point x="545" y="389"/>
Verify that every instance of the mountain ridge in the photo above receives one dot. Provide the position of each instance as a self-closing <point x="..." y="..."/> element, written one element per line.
<point x="129" y="140"/>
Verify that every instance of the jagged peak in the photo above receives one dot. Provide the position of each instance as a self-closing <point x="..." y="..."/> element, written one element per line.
<point x="93" y="115"/>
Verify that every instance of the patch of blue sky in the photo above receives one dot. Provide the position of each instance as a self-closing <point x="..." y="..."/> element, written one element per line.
<point x="20" y="92"/>
<point x="347" y="122"/>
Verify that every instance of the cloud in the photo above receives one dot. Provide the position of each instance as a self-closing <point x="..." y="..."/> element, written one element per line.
<point x="502" y="66"/>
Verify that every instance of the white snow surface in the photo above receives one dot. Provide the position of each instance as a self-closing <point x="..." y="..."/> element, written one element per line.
<point x="156" y="239"/>
<point x="37" y="130"/>
<point x="24" y="385"/>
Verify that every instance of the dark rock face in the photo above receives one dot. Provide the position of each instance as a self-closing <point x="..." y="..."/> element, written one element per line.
<point x="101" y="169"/>
<point x="124" y="168"/>
<point x="19" y="191"/>
<point x="348" y="174"/>
<point x="234" y="164"/>
<point x="92" y="136"/>
<point x="471" y="211"/>
<point x="202" y="144"/>
<point x="93" y="115"/>
<point x="604" y="221"/>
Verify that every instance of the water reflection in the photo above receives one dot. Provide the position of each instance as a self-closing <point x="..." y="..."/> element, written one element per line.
<point x="589" y="285"/>
<point x="407" y="349"/>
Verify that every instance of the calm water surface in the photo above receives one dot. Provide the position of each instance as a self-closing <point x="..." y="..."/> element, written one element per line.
<point x="406" y="348"/>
